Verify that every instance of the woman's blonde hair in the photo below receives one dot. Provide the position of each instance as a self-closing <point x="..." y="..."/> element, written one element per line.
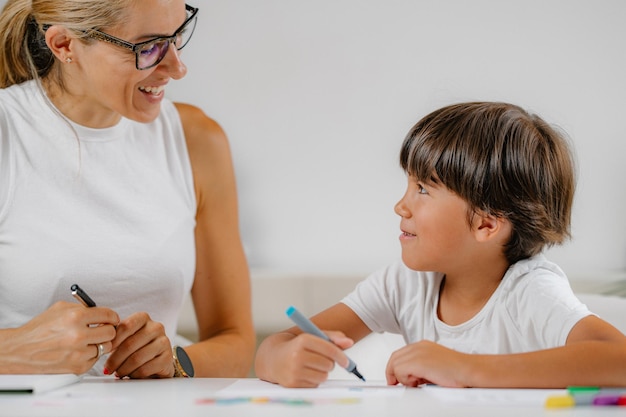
<point x="24" y="54"/>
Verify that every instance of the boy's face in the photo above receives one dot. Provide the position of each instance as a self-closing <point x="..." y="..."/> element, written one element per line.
<point x="435" y="235"/>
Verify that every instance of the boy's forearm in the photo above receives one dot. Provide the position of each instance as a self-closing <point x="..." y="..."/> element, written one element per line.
<point x="593" y="363"/>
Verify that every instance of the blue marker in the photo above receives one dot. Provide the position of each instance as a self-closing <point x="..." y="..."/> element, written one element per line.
<point x="307" y="326"/>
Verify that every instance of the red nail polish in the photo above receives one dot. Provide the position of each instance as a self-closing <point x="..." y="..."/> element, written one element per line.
<point x="106" y="371"/>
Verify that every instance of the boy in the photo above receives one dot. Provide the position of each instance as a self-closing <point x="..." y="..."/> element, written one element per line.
<point x="489" y="187"/>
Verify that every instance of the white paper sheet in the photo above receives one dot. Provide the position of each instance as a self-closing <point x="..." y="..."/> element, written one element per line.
<point x="35" y="384"/>
<point x="330" y="389"/>
<point x="492" y="396"/>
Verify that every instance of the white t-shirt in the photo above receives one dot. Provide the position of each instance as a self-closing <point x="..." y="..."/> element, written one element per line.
<point x="112" y="210"/>
<point x="533" y="308"/>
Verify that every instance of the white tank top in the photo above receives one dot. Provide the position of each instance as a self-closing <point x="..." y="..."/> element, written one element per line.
<point x="112" y="210"/>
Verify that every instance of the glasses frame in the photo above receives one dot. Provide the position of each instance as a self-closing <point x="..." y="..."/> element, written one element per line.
<point x="136" y="47"/>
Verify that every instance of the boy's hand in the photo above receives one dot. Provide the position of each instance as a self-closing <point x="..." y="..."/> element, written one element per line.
<point x="426" y="362"/>
<point x="306" y="360"/>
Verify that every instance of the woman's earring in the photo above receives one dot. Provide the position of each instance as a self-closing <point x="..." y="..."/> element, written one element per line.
<point x="68" y="60"/>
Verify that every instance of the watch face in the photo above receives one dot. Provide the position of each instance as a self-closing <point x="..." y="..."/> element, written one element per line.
<point x="184" y="361"/>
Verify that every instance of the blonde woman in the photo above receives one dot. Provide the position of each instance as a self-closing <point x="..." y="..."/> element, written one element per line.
<point x="106" y="183"/>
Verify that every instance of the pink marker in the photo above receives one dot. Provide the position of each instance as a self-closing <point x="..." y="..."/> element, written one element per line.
<point x="606" y="399"/>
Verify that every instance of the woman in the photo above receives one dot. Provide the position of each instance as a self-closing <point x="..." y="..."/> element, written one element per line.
<point x="107" y="184"/>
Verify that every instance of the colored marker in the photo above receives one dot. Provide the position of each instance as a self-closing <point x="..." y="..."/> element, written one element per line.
<point x="307" y="326"/>
<point x="606" y="399"/>
<point x="583" y="395"/>
<point x="577" y="396"/>
<point x="560" y="401"/>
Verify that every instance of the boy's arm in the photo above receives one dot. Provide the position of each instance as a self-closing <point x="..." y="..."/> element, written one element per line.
<point x="293" y="359"/>
<point x="594" y="355"/>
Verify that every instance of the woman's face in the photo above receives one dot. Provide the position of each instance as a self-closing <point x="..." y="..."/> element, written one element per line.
<point x="103" y="76"/>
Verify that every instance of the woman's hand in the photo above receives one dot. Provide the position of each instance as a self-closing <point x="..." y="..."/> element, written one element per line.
<point x="62" y="339"/>
<point x="140" y="349"/>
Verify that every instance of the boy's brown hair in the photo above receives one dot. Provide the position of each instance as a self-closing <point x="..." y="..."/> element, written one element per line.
<point x="502" y="160"/>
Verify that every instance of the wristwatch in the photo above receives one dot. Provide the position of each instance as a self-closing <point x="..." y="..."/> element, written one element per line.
<point x="183" y="367"/>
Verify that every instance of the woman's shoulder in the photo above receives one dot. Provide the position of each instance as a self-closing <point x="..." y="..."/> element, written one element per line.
<point x="203" y="134"/>
<point x="18" y="96"/>
<point x="208" y="149"/>
<point x="195" y="119"/>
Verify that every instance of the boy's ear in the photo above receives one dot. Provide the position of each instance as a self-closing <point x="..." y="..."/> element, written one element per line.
<point x="59" y="42"/>
<point x="489" y="227"/>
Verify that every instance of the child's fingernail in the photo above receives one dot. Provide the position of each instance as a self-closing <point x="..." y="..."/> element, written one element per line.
<point x="106" y="371"/>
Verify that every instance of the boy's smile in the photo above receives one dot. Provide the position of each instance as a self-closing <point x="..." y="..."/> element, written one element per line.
<point x="434" y="225"/>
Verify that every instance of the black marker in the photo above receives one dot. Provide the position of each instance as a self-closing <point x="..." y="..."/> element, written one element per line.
<point x="82" y="296"/>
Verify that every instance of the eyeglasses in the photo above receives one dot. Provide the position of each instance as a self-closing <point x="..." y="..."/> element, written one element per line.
<point x="149" y="53"/>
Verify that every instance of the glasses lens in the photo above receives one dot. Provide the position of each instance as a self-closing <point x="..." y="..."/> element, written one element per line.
<point x="152" y="53"/>
<point x="183" y="36"/>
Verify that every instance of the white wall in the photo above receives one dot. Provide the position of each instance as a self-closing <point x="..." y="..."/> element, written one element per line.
<point x="316" y="97"/>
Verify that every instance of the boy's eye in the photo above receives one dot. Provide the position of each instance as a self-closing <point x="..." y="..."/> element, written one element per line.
<point x="421" y="189"/>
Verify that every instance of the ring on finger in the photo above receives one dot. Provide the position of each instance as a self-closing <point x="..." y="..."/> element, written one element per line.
<point x="100" y="347"/>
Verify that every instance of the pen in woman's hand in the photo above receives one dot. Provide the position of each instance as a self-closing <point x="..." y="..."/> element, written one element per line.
<point x="82" y="296"/>
<point x="86" y="300"/>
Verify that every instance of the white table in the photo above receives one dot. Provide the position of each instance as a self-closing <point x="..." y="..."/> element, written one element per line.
<point x="94" y="397"/>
